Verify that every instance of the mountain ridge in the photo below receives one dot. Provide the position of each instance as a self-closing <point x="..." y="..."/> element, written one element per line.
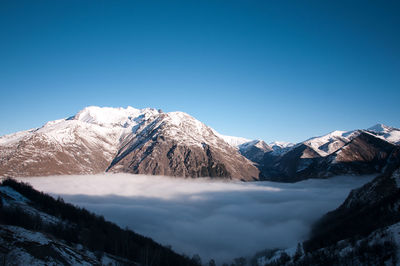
<point x="99" y="139"/>
<point x="149" y="141"/>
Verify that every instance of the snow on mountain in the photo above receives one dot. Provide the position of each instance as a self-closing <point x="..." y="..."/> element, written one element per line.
<point x="281" y="144"/>
<point x="380" y="128"/>
<point x="280" y="147"/>
<point x="21" y="246"/>
<point x="329" y="143"/>
<point x="111" y="117"/>
<point x="381" y="247"/>
<point x="254" y="150"/>
<point x="187" y="130"/>
<point x="231" y="140"/>
<point x="36" y="229"/>
<point x="97" y="138"/>
<point x="387" y="133"/>
<point x="14" y="137"/>
<point x="179" y="145"/>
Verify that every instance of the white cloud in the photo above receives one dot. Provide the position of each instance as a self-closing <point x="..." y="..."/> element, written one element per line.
<point x="214" y="219"/>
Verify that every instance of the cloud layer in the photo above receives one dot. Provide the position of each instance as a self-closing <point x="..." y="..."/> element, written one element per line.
<point x="215" y="219"/>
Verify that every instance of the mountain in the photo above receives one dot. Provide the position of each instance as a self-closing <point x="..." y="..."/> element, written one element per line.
<point x="36" y="229"/>
<point x="176" y="144"/>
<point x="254" y="150"/>
<point x="142" y="141"/>
<point x="390" y="134"/>
<point x="340" y="152"/>
<point x="149" y="141"/>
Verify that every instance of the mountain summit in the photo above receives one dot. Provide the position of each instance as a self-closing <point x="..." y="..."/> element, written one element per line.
<point x="141" y="141"/>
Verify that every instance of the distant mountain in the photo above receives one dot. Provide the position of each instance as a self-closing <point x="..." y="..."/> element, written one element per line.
<point x="340" y="152"/>
<point x="145" y="141"/>
<point x="390" y="134"/>
<point x="255" y="150"/>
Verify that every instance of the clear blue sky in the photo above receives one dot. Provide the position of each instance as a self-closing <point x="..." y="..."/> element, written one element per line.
<point x="273" y="70"/>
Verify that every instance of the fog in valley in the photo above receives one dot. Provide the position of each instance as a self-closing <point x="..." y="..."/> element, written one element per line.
<point x="215" y="219"/>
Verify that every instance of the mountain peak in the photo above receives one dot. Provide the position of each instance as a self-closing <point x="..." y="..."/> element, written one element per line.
<point x="110" y="116"/>
<point x="380" y="128"/>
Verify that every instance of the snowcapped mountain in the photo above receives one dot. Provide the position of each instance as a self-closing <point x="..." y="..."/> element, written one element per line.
<point x="177" y="144"/>
<point x="390" y="134"/>
<point x="328" y="144"/>
<point x="148" y="141"/>
<point x="255" y="150"/>
<point x="145" y="141"/>
<point x="339" y="152"/>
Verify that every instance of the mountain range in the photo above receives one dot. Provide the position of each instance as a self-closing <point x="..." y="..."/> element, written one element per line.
<point x="149" y="141"/>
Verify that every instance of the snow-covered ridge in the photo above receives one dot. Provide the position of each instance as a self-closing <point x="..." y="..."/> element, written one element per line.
<point x="232" y="140"/>
<point x="281" y="144"/>
<point x="329" y="143"/>
<point x="108" y="116"/>
<point x="187" y="130"/>
<point x="387" y="133"/>
<point x="380" y="128"/>
<point x="114" y="123"/>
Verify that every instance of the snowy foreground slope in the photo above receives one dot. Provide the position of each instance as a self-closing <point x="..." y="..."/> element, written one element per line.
<point x="25" y="247"/>
<point x="381" y="247"/>
<point x="149" y="141"/>
<point x="20" y="246"/>
<point x="36" y="229"/>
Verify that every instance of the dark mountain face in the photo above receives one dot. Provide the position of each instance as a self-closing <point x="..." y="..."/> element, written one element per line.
<point x="163" y="148"/>
<point x="161" y="156"/>
<point x="288" y="167"/>
<point x="363" y="154"/>
<point x="373" y="206"/>
<point x="255" y="150"/>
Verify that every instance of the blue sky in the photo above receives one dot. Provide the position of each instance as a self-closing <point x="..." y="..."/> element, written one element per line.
<point x="273" y="70"/>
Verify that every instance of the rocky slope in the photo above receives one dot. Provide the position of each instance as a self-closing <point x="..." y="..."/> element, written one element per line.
<point x="176" y="144"/>
<point x="143" y="141"/>
<point x="364" y="230"/>
<point x="373" y="206"/>
<point x="354" y="152"/>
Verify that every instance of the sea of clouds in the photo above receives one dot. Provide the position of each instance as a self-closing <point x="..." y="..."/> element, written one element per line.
<point x="215" y="219"/>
